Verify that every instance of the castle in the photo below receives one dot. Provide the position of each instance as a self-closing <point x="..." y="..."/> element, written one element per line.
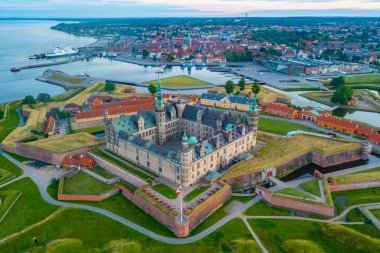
<point x="182" y="142"/>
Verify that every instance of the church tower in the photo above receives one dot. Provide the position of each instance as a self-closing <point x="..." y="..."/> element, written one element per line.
<point x="186" y="159"/>
<point x="160" y="112"/>
<point x="189" y="41"/>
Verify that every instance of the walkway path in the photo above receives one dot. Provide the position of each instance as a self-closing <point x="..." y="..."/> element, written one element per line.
<point x="5" y="113"/>
<point x="255" y="236"/>
<point x="21" y="121"/>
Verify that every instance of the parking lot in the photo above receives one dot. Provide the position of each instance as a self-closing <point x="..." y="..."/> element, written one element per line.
<point x="62" y="127"/>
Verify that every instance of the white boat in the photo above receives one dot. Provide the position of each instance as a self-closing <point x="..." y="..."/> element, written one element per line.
<point x="58" y="52"/>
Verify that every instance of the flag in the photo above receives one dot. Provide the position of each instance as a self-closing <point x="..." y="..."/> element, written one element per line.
<point x="179" y="190"/>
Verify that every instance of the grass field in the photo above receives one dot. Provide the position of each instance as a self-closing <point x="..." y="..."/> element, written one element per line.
<point x="276" y="234"/>
<point x="19" y="158"/>
<point x="312" y="187"/>
<point x="358" y="178"/>
<point x="101" y="172"/>
<point x="376" y="212"/>
<point x="90" y="130"/>
<point x="69" y="79"/>
<point x="355" y="216"/>
<point x="281" y="127"/>
<point x="165" y="190"/>
<point x="82" y="183"/>
<point x="265" y="96"/>
<point x="191" y="195"/>
<point x="180" y="81"/>
<point x="360" y="196"/>
<point x="292" y="192"/>
<point x="65" y="143"/>
<point x="11" y="121"/>
<point x="261" y="208"/>
<point x="5" y="176"/>
<point x="67" y="95"/>
<point x="7" y="199"/>
<point x="6" y="165"/>
<point x="280" y="149"/>
<point x="28" y="210"/>
<point x="363" y="79"/>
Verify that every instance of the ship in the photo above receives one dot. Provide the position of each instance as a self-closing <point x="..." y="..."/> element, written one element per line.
<point x="58" y="52"/>
<point x="15" y="69"/>
<point x="37" y="56"/>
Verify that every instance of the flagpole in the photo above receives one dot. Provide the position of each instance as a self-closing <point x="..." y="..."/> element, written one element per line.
<point x="181" y="203"/>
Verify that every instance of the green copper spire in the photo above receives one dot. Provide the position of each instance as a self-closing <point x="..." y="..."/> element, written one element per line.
<point x="159" y="98"/>
<point x="184" y="137"/>
<point x="253" y="106"/>
<point x="188" y="37"/>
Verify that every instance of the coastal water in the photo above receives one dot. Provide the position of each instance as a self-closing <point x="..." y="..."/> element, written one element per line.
<point x="20" y="39"/>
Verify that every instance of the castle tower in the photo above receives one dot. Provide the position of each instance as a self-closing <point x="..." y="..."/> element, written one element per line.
<point x="160" y="113"/>
<point x="186" y="159"/>
<point x="253" y="115"/>
<point x="189" y="40"/>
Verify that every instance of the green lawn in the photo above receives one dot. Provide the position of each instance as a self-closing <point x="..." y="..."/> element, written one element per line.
<point x="276" y="235"/>
<point x="360" y="196"/>
<point x="101" y="172"/>
<point x="293" y="192"/>
<point x="83" y="183"/>
<point x="90" y="130"/>
<point x="148" y="177"/>
<point x="67" y="95"/>
<point x="355" y="216"/>
<point x="363" y="79"/>
<point x="358" y="177"/>
<point x="6" y="165"/>
<point x="376" y="212"/>
<point x="180" y="81"/>
<point x="262" y="209"/>
<point x="69" y="79"/>
<point x="191" y="195"/>
<point x="19" y="158"/>
<point x="28" y="210"/>
<point x="11" y="121"/>
<point x="281" y="127"/>
<point x="5" y="176"/>
<point x="165" y="190"/>
<point x="7" y="198"/>
<point x="312" y="187"/>
<point x="95" y="231"/>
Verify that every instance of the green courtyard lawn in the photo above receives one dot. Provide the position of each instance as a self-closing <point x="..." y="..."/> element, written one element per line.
<point x="5" y="176"/>
<point x="360" y="196"/>
<point x="101" y="172"/>
<point x="28" y="210"/>
<point x="66" y="143"/>
<point x="282" y="127"/>
<point x="82" y="183"/>
<point x="95" y="231"/>
<point x="180" y="81"/>
<point x="11" y="121"/>
<point x="146" y="176"/>
<point x="69" y="79"/>
<point x="292" y="192"/>
<point x="90" y="130"/>
<point x="197" y="191"/>
<point x="6" y="165"/>
<point x="165" y="190"/>
<point x="312" y="187"/>
<point x="262" y="209"/>
<point x="276" y="235"/>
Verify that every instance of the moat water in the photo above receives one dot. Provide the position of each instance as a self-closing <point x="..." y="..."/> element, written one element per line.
<point x="25" y="38"/>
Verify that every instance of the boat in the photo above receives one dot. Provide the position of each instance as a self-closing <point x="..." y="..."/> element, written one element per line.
<point x="15" y="69"/>
<point x="58" y="52"/>
<point x="37" y="56"/>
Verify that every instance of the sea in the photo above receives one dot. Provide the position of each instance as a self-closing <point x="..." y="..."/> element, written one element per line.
<point x="22" y="38"/>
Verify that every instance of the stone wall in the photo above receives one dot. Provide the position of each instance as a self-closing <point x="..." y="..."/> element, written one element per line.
<point x="99" y="177"/>
<point x="126" y="176"/>
<point x="268" y="196"/>
<point x="92" y="123"/>
<point x="77" y="197"/>
<point x="345" y="187"/>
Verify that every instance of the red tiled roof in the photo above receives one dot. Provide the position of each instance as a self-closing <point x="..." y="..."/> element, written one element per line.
<point x="128" y="102"/>
<point x="68" y="161"/>
<point x="113" y="111"/>
<point x="365" y="131"/>
<point x="102" y="97"/>
<point x="49" y="125"/>
<point x="280" y="107"/>
<point x="374" y="137"/>
<point x="338" y="121"/>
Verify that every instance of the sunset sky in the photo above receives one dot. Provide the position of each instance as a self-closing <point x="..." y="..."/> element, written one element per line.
<point x="182" y="8"/>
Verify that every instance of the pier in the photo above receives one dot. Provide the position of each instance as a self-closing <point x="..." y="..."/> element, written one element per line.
<point x="46" y="64"/>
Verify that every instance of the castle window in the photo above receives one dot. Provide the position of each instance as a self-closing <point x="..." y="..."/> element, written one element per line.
<point x="160" y="170"/>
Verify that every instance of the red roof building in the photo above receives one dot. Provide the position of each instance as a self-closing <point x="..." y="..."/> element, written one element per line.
<point x="50" y="126"/>
<point x="339" y="124"/>
<point x="374" y="138"/>
<point x="352" y="102"/>
<point x="280" y="110"/>
<point x="125" y="102"/>
<point x="364" y="131"/>
<point x="69" y="162"/>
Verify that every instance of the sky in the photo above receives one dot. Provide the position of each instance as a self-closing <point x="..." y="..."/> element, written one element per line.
<point x="185" y="8"/>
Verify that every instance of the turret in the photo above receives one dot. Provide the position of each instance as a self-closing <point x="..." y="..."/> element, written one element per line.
<point x="160" y="113"/>
<point x="253" y="115"/>
<point x="140" y="123"/>
<point x="186" y="158"/>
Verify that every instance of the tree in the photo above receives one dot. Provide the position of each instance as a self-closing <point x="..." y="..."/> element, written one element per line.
<point x="342" y="95"/>
<point x="242" y="83"/>
<point x="145" y="53"/>
<point x="170" y="58"/>
<point x="43" y="97"/>
<point x="29" y="100"/>
<point x="110" y="86"/>
<point x="337" y="81"/>
<point x="256" y="88"/>
<point x="229" y="87"/>
<point x="1" y="114"/>
<point x="152" y="89"/>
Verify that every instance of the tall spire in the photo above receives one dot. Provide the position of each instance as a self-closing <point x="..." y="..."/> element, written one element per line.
<point x="159" y="98"/>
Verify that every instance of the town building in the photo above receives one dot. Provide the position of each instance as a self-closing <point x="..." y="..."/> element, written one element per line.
<point x="280" y="110"/>
<point x="227" y="101"/>
<point x="339" y="124"/>
<point x="181" y="142"/>
<point x="50" y="126"/>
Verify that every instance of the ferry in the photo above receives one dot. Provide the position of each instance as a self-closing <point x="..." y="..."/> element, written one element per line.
<point x="37" y="56"/>
<point x="15" y="69"/>
<point x="58" y="52"/>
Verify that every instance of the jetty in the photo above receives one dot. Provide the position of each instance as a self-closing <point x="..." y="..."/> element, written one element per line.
<point x="46" y="64"/>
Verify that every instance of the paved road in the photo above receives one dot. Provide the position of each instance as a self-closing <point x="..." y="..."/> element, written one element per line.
<point x="5" y="113"/>
<point x="21" y="121"/>
<point x="42" y="188"/>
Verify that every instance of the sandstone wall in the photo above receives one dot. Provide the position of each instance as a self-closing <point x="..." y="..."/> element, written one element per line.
<point x="80" y="125"/>
<point x="75" y="197"/>
<point x="344" y="187"/>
